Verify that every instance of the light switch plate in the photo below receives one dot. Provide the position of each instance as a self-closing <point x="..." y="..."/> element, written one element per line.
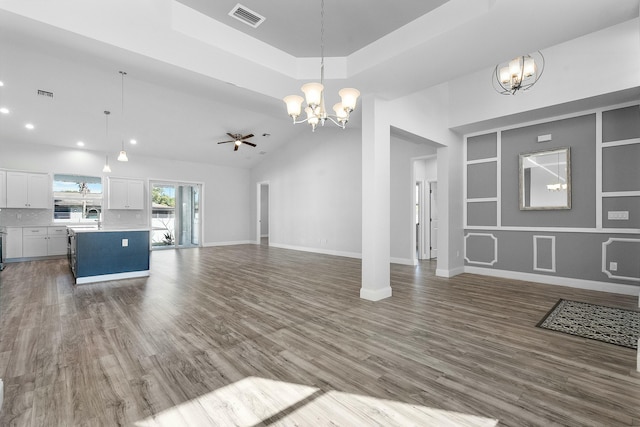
<point x="613" y="266"/>
<point x="125" y="243"/>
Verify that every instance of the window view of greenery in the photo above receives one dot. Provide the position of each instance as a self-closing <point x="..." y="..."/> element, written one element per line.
<point x="163" y="212"/>
<point x="76" y="198"/>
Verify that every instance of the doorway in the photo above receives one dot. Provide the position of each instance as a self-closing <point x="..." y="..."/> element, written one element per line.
<point x="433" y="220"/>
<point x="419" y="216"/>
<point x="263" y="214"/>
<point x="175" y="215"/>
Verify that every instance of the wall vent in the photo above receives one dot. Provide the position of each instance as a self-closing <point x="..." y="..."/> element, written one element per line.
<point x="45" y="93"/>
<point x="246" y="15"/>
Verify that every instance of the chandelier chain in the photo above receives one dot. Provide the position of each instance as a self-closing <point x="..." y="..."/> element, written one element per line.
<point x="321" y="41"/>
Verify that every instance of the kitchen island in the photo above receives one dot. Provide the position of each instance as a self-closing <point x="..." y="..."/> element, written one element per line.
<point x="97" y="255"/>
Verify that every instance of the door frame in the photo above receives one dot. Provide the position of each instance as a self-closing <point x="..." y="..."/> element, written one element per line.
<point x="170" y="182"/>
<point x="259" y="211"/>
<point x="425" y="183"/>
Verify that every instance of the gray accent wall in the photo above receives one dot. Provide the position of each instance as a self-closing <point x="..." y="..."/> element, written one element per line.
<point x="579" y="134"/>
<point x="577" y="243"/>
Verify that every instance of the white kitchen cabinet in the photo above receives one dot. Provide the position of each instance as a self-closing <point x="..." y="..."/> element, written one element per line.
<point x="34" y="241"/>
<point x="126" y="194"/>
<point x="14" y="242"/>
<point x="3" y="189"/>
<point x="28" y="190"/>
<point x="43" y="241"/>
<point x="56" y="240"/>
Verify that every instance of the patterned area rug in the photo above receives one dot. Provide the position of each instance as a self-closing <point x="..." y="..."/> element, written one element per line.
<point x="597" y="322"/>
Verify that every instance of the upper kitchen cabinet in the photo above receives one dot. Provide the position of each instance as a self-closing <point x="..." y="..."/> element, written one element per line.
<point x="28" y="190"/>
<point x="3" y="189"/>
<point x="126" y="193"/>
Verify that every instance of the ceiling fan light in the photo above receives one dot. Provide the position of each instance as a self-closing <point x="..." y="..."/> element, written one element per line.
<point x="294" y="105"/>
<point x="238" y="142"/>
<point x="349" y="97"/>
<point x="313" y="93"/>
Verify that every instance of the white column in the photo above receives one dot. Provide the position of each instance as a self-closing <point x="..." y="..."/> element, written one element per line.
<point x="376" y="206"/>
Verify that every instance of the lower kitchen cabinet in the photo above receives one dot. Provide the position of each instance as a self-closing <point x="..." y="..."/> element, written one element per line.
<point x="43" y="241"/>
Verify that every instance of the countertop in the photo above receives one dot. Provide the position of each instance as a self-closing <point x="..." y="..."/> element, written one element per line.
<point x="89" y="229"/>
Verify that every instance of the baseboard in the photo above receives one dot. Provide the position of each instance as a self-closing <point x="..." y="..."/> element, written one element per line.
<point x="317" y="250"/>
<point x="404" y="261"/>
<point x="616" y="288"/>
<point x="114" y="276"/>
<point x="237" y="242"/>
<point x="449" y="273"/>
<point x="375" y="294"/>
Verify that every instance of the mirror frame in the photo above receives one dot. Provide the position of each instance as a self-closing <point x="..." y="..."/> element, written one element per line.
<point x="521" y="198"/>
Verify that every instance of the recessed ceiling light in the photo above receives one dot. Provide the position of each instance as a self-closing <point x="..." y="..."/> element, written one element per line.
<point x="80" y="144"/>
<point x="4" y="110"/>
<point x="29" y="126"/>
<point x="133" y="141"/>
<point x="1" y="84"/>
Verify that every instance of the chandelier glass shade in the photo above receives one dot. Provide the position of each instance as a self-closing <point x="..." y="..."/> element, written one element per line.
<point x="521" y="73"/>
<point x="314" y="97"/>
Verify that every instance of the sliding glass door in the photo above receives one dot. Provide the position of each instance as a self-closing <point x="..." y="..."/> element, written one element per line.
<point x="175" y="215"/>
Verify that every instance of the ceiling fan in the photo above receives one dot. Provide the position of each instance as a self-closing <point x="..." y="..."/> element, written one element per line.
<point x="238" y="139"/>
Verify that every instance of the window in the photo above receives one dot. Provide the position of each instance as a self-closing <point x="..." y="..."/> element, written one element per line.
<point x="76" y="198"/>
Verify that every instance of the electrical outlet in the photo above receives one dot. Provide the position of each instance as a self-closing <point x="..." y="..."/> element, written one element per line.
<point x="613" y="266"/>
<point x="125" y="243"/>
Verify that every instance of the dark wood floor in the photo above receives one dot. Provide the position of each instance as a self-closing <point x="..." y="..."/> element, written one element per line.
<point x="251" y="335"/>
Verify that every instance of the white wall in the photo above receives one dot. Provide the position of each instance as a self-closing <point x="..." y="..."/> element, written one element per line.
<point x="226" y="205"/>
<point x="596" y="64"/>
<point x="264" y="210"/>
<point x="315" y="192"/>
<point x="402" y="197"/>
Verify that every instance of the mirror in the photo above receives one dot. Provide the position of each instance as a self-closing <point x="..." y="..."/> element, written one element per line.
<point x="545" y="180"/>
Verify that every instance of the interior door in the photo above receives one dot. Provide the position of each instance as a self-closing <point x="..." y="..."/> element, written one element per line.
<point x="433" y="220"/>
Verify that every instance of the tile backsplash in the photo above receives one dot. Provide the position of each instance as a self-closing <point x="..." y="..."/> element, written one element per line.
<point x="44" y="217"/>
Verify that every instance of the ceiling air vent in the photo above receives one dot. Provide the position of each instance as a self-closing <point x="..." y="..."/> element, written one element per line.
<point x="246" y="15"/>
<point x="45" y="93"/>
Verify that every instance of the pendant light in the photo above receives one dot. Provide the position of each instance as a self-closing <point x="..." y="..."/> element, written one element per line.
<point x="122" y="157"/>
<point x="107" y="168"/>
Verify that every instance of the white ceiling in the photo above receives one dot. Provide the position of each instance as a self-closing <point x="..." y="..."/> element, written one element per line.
<point x="175" y="112"/>
<point x="294" y="26"/>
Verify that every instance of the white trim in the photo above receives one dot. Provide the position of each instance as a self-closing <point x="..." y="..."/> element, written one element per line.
<point x="621" y="194"/>
<point x="449" y="273"/>
<point x="552" y="119"/>
<point x="481" y="200"/>
<point x="499" y="179"/>
<point x="553" y="253"/>
<point x="605" y="270"/>
<point x="115" y="276"/>
<point x="317" y="250"/>
<point x="464" y="181"/>
<point x="621" y="142"/>
<point x="237" y="242"/>
<point x="556" y="229"/>
<point x="375" y="295"/>
<point x="593" y="285"/>
<point x="486" y="160"/>
<point x="495" y="249"/>
<point x="404" y="261"/>
<point x="599" y="169"/>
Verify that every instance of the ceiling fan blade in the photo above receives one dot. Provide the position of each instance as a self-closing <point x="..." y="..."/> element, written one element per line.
<point x="235" y="148"/>
<point x="249" y="143"/>
<point x="232" y="135"/>
<point x="224" y="142"/>
<point x="247" y="136"/>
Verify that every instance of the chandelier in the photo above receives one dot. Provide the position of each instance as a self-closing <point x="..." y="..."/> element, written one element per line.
<point x="314" y="94"/>
<point x="520" y="73"/>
